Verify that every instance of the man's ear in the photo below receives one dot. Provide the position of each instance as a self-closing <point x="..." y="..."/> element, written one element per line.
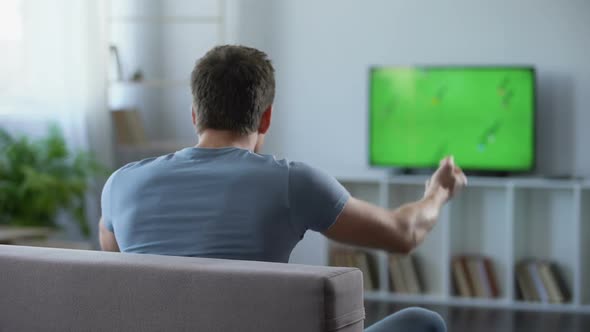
<point x="194" y="115"/>
<point x="265" y="120"/>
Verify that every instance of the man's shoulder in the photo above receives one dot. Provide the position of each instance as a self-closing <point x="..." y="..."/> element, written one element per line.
<point x="294" y="167"/>
<point x="281" y="162"/>
<point x="144" y="163"/>
<point x="137" y="167"/>
<point x="269" y="161"/>
<point x="307" y="175"/>
<point x="300" y="167"/>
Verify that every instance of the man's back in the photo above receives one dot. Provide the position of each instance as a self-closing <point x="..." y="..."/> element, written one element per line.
<point x="222" y="203"/>
<point x="222" y="200"/>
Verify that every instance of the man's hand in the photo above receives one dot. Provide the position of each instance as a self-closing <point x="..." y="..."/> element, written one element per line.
<point x="447" y="181"/>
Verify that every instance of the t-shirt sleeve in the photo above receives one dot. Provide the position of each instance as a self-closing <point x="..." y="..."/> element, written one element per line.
<point x="315" y="198"/>
<point x="106" y="204"/>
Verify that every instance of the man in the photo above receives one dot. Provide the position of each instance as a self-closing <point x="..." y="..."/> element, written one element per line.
<point x="222" y="199"/>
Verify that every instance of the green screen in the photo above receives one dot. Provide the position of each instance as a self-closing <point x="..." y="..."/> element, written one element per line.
<point x="483" y="116"/>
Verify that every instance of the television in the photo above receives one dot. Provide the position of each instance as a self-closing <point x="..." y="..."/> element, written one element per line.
<point x="483" y="116"/>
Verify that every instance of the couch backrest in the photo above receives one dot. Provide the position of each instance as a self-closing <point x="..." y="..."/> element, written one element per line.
<point x="43" y="289"/>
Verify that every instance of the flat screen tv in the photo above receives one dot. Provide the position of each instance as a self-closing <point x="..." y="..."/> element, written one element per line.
<point x="483" y="116"/>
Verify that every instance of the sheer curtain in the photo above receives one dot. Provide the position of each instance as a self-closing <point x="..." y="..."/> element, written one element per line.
<point x="56" y="72"/>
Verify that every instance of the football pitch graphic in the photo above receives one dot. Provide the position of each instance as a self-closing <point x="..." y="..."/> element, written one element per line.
<point x="482" y="116"/>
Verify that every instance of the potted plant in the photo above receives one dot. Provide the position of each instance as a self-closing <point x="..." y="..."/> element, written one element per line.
<point x="40" y="178"/>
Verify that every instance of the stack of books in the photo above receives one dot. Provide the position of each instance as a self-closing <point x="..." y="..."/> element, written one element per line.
<point x="540" y="281"/>
<point x="404" y="275"/>
<point x="364" y="261"/>
<point x="474" y="276"/>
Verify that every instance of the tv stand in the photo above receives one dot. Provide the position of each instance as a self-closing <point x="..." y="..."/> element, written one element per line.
<point x="496" y="174"/>
<point x="429" y="171"/>
<point x="413" y="171"/>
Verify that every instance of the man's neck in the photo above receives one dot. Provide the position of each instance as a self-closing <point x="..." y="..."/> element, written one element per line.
<point x="212" y="139"/>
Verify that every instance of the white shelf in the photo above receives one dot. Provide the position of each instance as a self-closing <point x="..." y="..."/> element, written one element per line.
<point x="403" y="298"/>
<point x="151" y="83"/>
<point x="473" y="302"/>
<point x="549" y="307"/>
<point x="167" y="19"/>
<point x="507" y="219"/>
<point x="474" y="181"/>
<point x="351" y="178"/>
<point x="542" y="183"/>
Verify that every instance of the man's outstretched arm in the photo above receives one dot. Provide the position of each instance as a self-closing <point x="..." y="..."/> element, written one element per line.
<point x="403" y="229"/>
<point x="107" y="239"/>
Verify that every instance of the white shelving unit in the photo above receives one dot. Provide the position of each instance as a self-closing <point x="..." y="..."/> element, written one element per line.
<point x="506" y="219"/>
<point x="162" y="39"/>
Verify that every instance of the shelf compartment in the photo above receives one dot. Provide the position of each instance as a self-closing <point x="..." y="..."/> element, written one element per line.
<point x="545" y="229"/>
<point x="479" y="226"/>
<point x="431" y="254"/>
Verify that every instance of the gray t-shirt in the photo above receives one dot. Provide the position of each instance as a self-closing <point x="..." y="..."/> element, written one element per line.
<point x="222" y="203"/>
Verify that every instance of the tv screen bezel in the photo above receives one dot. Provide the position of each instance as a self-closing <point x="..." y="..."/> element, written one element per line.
<point x="484" y="171"/>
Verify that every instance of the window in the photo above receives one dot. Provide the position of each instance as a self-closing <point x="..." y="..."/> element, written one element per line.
<point x="11" y="45"/>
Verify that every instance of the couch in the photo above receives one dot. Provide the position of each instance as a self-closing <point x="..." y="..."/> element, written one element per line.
<point x="47" y="289"/>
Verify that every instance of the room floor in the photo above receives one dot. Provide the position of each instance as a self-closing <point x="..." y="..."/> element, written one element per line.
<point x="469" y="319"/>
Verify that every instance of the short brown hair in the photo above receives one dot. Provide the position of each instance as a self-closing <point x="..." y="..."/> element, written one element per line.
<point x="232" y="86"/>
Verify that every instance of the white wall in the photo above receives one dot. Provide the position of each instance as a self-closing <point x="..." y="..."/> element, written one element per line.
<point x="322" y="49"/>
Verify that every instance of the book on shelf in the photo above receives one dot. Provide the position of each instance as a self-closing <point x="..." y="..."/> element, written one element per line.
<point x="460" y="278"/>
<point x="396" y="275"/>
<point x="362" y="260"/>
<point x="404" y="276"/>
<point x="474" y="276"/>
<point x="556" y="295"/>
<point x="541" y="293"/>
<point x="560" y="281"/>
<point x="525" y="283"/>
<point x="491" y="278"/>
<point x="540" y="281"/>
